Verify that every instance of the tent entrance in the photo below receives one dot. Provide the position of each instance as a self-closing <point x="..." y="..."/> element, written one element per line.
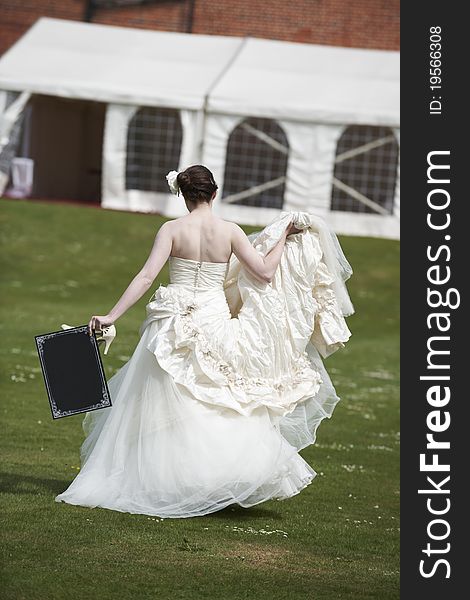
<point x="64" y="137"/>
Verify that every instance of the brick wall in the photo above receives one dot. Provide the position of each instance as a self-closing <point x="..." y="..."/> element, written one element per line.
<point x="353" y="23"/>
<point x="17" y="16"/>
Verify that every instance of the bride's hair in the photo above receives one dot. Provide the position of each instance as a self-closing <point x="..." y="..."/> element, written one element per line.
<point x="197" y="183"/>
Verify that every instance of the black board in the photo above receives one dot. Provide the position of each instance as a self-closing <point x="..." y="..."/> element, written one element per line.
<point x="73" y="371"/>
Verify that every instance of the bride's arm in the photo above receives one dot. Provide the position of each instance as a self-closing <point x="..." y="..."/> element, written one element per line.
<point x="262" y="268"/>
<point x="143" y="280"/>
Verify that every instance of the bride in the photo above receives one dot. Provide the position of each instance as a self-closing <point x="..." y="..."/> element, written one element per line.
<point x="226" y="383"/>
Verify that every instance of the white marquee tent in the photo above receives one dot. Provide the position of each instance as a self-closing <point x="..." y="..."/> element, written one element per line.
<point x="283" y="126"/>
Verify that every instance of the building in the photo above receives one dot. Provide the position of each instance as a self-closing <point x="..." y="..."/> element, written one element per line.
<point x="373" y="24"/>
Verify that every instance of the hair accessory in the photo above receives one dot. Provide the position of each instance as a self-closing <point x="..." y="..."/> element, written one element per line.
<point x="172" y="183"/>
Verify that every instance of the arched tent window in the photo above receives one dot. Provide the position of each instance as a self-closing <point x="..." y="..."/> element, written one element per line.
<point x="153" y="148"/>
<point x="256" y="164"/>
<point x="365" y="170"/>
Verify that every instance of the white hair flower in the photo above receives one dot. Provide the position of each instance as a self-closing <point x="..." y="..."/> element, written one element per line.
<point x="172" y="183"/>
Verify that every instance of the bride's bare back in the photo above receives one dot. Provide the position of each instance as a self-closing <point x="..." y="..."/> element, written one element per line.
<point x="202" y="237"/>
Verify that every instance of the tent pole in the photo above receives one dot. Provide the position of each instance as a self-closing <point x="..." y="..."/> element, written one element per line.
<point x="208" y="93"/>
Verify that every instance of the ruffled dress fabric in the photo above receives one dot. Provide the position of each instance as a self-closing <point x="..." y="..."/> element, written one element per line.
<point x="223" y="389"/>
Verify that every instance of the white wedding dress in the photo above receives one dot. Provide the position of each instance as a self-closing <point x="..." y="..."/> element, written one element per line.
<point x="225" y="385"/>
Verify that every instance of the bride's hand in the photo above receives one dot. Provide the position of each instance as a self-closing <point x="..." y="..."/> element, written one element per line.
<point x="97" y="322"/>
<point x="292" y="229"/>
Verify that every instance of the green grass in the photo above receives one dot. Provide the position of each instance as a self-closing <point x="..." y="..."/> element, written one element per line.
<point x="63" y="263"/>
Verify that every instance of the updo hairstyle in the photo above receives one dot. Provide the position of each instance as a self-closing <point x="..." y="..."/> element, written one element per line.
<point x="197" y="183"/>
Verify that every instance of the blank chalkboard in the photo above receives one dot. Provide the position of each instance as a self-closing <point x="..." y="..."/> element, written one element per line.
<point x="73" y="371"/>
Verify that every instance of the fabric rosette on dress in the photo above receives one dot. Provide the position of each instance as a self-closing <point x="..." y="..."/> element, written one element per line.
<point x="240" y="363"/>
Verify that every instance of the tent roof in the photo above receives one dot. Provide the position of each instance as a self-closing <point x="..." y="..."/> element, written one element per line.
<point x="242" y="76"/>
<point x="115" y="64"/>
<point x="311" y="83"/>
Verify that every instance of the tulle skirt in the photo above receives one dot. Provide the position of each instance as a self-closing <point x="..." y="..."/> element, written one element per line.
<point x="158" y="451"/>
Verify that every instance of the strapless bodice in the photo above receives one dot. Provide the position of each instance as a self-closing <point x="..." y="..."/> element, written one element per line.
<point x="197" y="274"/>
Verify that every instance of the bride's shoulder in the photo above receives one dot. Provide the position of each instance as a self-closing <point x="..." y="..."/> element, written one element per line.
<point x="230" y="225"/>
<point x="174" y="224"/>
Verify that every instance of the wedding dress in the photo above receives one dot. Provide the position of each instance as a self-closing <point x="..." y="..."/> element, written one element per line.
<point x="225" y="385"/>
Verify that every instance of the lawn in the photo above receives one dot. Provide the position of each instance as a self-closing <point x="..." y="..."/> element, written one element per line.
<point x="338" y="538"/>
